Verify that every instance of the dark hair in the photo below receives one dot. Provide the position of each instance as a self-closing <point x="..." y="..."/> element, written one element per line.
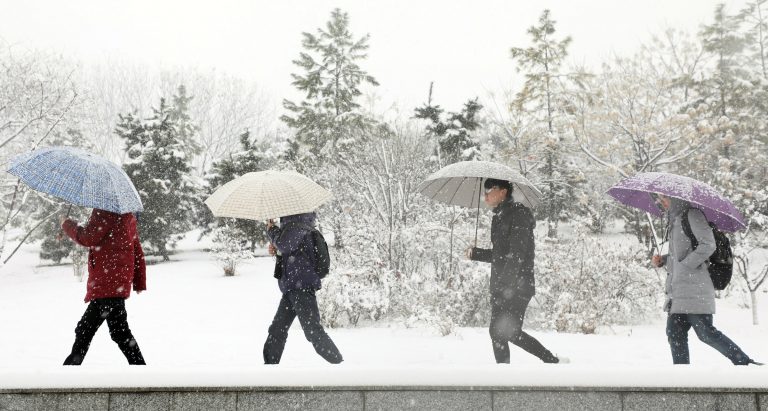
<point x="501" y="184"/>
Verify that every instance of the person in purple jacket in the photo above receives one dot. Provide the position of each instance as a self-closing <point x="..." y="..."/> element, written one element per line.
<point x="298" y="280"/>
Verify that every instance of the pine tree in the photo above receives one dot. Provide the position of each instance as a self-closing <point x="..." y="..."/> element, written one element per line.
<point x="329" y="117"/>
<point x="731" y="93"/>
<point x="453" y="135"/>
<point x="253" y="156"/>
<point x="754" y="16"/>
<point x="543" y="96"/>
<point x="159" y="151"/>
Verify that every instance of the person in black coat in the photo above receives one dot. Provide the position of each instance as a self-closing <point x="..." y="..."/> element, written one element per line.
<point x="512" y="281"/>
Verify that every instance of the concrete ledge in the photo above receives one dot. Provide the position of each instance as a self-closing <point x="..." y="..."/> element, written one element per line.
<point x="385" y="398"/>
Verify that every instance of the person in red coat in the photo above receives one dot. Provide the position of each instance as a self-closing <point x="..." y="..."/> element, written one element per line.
<point x="115" y="265"/>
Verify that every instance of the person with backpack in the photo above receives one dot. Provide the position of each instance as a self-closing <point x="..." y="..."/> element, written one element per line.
<point x="115" y="265"/>
<point x="512" y="282"/>
<point x="302" y="261"/>
<point x="690" y="293"/>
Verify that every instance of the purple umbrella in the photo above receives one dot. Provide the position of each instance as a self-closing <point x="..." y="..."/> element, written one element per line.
<point x="635" y="191"/>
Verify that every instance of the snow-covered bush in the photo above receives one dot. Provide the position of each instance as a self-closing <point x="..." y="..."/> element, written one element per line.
<point x="590" y="282"/>
<point x="459" y="301"/>
<point x="229" y="249"/>
<point x="352" y="295"/>
<point x="79" y="257"/>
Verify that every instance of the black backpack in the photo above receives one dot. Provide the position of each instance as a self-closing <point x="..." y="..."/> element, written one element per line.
<point x="721" y="261"/>
<point x="321" y="256"/>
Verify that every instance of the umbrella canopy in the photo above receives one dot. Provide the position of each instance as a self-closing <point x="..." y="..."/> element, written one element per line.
<point x="635" y="192"/>
<point x="78" y="177"/>
<point x="461" y="184"/>
<point x="267" y="194"/>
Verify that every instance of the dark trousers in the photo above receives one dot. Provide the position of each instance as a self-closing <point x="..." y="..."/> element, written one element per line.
<point x="507" y="326"/>
<point x="678" y="326"/>
<point x="302" y="304"/>
<point x="112" y="310"/>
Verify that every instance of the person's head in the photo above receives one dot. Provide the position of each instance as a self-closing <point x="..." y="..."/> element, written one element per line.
<point x="662" y="201"/>
<point x="496" y="191"/>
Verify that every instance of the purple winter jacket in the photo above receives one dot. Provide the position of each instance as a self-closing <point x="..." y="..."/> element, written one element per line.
<point x="295" y="244"/>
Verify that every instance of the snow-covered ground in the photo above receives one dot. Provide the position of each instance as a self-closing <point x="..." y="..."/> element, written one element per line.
<point x="199" y="328"/>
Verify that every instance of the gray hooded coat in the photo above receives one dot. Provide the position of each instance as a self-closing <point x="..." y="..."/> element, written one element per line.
<point x="689" y="288"/>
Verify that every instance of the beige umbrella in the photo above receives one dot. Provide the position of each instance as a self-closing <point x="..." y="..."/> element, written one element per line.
<point x="267" y="194"/>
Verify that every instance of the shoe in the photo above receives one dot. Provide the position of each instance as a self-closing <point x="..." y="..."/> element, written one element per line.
<point x="558" y="360"/>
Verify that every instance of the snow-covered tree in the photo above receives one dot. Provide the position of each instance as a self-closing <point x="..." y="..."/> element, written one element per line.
<point x="37" y="100"/>
<point x="451" y="132"/>
<point x="634" y="116"/>
<point x="330" y="117"/>
<point x="253" y="156"/>
<point x="754" y="18"/>
<point x="543" y="97"/>
<point x="159" y="151"/>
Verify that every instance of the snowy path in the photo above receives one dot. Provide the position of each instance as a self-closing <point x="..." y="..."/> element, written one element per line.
<point x="197" y="327"/>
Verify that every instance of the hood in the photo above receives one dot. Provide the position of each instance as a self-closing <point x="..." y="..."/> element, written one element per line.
<point x="304" y="218"/>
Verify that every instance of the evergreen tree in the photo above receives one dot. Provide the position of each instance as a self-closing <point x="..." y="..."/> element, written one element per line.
<point x="735" y="94"/>
<point x="159" y="151"/>
<point x="755" y="17"/>
<point x="454" y="141"/>
<point x="329" y="117"/>
<point x="544" y="96"/>
<point x="253" y="156"/>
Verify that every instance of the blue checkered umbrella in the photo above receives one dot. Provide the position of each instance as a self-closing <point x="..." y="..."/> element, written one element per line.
<point x="78" y="177"/>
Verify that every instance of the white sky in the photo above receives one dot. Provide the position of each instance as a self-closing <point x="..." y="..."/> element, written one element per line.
<point x="461" y="45"/>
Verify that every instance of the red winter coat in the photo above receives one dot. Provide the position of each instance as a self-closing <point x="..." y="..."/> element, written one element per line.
<point x="115" y="257"/>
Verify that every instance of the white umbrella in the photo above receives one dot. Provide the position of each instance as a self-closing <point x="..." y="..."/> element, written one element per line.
<point x="461" y="184"/>
<point x="267" y="194"/>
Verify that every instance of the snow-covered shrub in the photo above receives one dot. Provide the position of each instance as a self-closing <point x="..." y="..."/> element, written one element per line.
<point x="79" y="257"/>
<point x="352" y="295"/>
<point x="588" y="282"/>
<point x="229" y="249"/>
<point x="459" y="301"/>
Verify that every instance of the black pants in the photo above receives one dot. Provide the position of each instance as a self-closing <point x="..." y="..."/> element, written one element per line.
<point x="507" y="326"/>
<point x="302" y="304"/>
<point x="678" y="326"/>
<point x="112" y="310"/>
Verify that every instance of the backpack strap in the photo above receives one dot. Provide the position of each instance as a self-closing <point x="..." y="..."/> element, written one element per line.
<point x="687" y="229"/>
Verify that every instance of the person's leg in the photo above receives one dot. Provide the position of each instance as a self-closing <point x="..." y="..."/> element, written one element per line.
<point x="708" y="334"/>
<point x="522" y="339"/>
<point x="500" y="331"/>
<point x="117" y="321"/>
<point x="677" y="335"/>
<point x="305" y="305"/>
<point x="278" y="332"/>
<point x="84" y="332"/>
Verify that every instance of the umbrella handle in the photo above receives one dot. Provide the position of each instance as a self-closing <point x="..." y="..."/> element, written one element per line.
<point x="477" y="216"/>
<point x="654" y="237"/>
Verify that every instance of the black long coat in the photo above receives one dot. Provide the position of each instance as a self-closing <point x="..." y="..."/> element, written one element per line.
<point x="512" y="254"/>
